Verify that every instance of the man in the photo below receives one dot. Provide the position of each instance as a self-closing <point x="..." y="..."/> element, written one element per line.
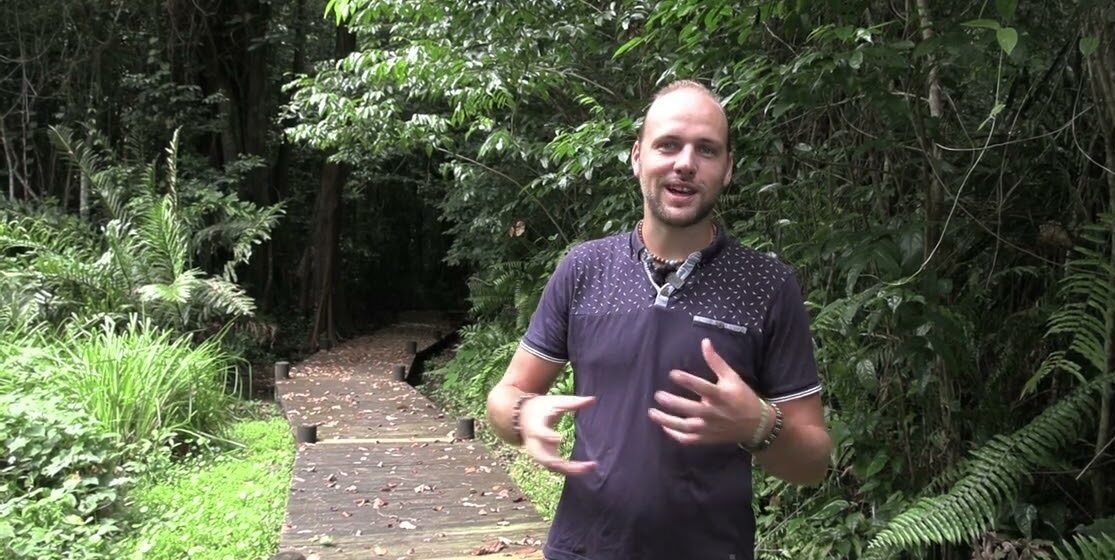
<point x="691" y="356"/>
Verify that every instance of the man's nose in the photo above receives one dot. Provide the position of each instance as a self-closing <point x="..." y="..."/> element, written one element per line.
<point x="686" y="163"/>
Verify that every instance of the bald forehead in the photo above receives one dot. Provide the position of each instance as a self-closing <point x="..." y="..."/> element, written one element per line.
<point x="688" y="103"/>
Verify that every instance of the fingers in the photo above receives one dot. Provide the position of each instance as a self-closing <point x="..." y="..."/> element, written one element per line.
<point x="567" y="403"/>
<point x="689" y="381"/>
<point x="572" y="468"/>
<point x="679" y="405"/>
<point x="691" y="426"/>
<point x="682" y="437"/>
<point x="715" y="362"/>
<point x="541" y="441"/>
<point x="545" y="453"/>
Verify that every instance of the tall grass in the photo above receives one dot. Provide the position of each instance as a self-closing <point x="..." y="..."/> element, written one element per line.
<point x="144" y="384"/>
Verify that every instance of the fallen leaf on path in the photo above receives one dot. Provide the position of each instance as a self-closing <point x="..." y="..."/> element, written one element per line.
<point x="491" y="547"/>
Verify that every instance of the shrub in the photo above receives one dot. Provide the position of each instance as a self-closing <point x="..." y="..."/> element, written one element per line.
<point x="146" y="386"/>
<point x="59" y="476"/>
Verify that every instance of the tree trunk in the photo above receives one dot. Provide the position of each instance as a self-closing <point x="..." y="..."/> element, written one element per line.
<point x="319" y="269"/>
<point x="237" y="65"/>
<point x="1101" y="74"/>
<point x="934" y="195"/>
<point x="280" y="174"/>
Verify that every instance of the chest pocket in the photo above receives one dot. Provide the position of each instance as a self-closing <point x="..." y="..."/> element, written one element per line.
<point x="740" y="345"/>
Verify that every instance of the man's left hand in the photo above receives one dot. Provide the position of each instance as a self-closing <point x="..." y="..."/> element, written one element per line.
<point x="728" y="412"/>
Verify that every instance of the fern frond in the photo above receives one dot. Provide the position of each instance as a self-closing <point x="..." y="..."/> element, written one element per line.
<point x="1085" y="547"/>
<point x="172" y="164"/>
<point x="993" y="476"/>
<point x="164" y="240"/>
<point x="177" y="292"/>
<point x="249" y="227"/>
<point x="220" y="296"/>
<point x="1089" y="296"/>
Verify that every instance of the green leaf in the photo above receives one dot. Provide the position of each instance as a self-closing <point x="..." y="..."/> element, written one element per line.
<point x="982" y="23"/>
<point x="1006" y="8"/>
<point x="1024" y="517"/>
<point x="1089" y="44"/>
<point x="856" y="60"/>
<point x="634" y="42"/>
<point x="1007" y="38"/>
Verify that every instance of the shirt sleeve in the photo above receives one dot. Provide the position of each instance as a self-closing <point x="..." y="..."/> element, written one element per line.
<point x="546" y="337"/>
<point x="789" y="368"/>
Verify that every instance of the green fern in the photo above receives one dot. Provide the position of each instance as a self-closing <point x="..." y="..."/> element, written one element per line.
<point x="1091" y="295"/>
<point x="145" y="254"/>
<point x="993" y="476"/>
<point x="1085" y="547"/>
<point x="164" y="241"/>
<point x="226" y="297"/>
<point x="996" y="471"/>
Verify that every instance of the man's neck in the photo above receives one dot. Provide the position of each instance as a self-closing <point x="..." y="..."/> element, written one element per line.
<point x="670" y="242"/>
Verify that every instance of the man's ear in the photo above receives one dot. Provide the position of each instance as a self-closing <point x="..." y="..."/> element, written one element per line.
<point x="728" y="171"/>
<point x="635" y="163"/>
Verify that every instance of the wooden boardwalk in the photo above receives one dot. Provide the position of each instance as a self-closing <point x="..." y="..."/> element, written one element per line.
<point x="387" y="479"/>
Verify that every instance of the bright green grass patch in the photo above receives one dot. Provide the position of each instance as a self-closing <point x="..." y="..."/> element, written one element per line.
<point x="541" y="487"/>
<point x="227" y="505"/>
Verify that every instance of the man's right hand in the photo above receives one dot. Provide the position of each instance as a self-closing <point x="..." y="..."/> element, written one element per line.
<point x="537" y="418"/>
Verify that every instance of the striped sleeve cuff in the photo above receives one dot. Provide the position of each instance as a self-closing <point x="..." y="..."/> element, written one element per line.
<point x="795" y="395"/>
<point x="536" y="352"/>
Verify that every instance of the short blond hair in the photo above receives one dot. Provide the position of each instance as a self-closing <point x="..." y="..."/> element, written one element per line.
<point x="677" y="85"/>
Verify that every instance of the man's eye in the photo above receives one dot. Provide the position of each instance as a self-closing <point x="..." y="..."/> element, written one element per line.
<point x="668" y="145"/>
<point x="707" y="150"/>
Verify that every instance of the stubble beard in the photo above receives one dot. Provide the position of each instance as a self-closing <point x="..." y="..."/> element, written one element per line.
<point x="663" y="215"/>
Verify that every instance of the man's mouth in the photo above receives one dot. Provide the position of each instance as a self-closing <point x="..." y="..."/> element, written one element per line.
<point x="681" y="190"/>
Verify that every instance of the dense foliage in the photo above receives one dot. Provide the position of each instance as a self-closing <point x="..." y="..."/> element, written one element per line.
<point x="938" y="172"/>
<point x="121" y="311"/>
<point x="927" y="167"/>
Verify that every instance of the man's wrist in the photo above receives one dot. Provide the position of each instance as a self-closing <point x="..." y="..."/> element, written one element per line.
<point x="768" y="429"/>
<point x="517" y="415"/>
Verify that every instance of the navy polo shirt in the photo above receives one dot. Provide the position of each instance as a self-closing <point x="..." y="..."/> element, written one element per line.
<point x="650" y="497"/>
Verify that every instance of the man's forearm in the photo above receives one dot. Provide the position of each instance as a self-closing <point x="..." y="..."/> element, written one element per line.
<point x="800" y="455"/>
<point x="501" y="402"/>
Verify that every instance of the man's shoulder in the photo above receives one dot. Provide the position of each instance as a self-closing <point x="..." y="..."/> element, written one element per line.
<point x="754" y="262"/>
<point x="602" y="248"/>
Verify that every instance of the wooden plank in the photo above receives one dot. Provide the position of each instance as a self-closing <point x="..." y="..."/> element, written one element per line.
<point x="387" y="478"/>
<point x="372" y="441"/>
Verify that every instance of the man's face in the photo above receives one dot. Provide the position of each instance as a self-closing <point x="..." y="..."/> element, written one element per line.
<point x="682" y="160"/>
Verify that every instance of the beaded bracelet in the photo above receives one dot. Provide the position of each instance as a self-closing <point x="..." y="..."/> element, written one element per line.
<point x="762" y="426"/>
<point x="767" y="441"/>
<point x="516" y="413"/>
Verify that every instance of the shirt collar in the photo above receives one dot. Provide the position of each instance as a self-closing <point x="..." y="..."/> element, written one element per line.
<point x="636" y="246"/>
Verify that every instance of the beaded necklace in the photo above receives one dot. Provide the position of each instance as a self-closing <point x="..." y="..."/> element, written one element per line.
<point x="668" y="263"/>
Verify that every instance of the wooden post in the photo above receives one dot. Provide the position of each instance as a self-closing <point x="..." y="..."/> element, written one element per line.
<point x="282" y="370"/>
<point x="306" y="433"/>
<point x="412" y="348"/>
<point x="466" y="428"/>
<point x="400" y="373"/>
